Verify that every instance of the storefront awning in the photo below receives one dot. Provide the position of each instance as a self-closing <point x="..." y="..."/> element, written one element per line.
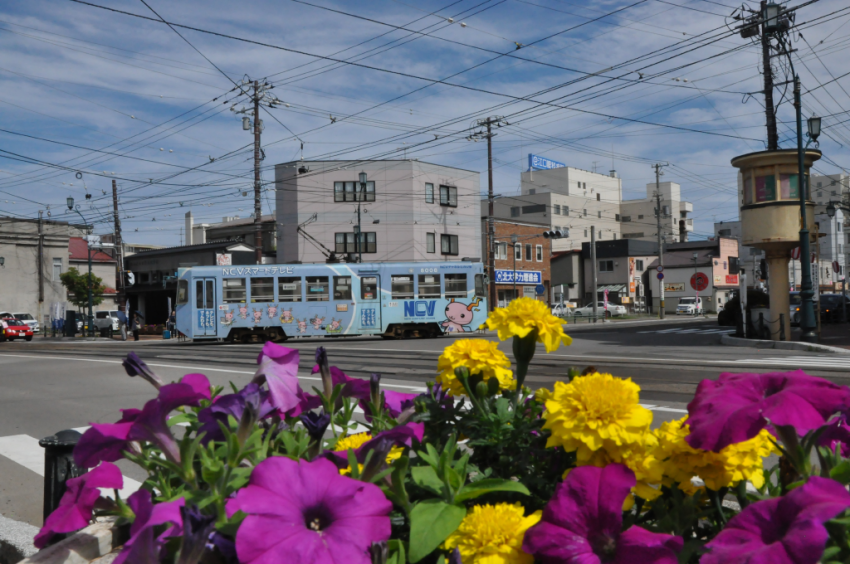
<point x="612" y="288"/>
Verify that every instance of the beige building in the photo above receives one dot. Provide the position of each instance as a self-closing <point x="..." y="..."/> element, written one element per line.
<point x="638" y="220"/>
<point x="410" y="211"/>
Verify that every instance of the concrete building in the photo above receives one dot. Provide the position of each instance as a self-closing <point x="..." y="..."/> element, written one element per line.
<point x="830" y="188"/>
<point x="622" y="270"/>
<point x="19" y="272"/>
<point x="567" y="279"/>
<point x="410" y="211"/>
<point x="522" y="253"/>
<point x="831" y="244"/>
<point x="638" y="220"/>
<point x="234" y="229"/>
<point x="103" y="267"/>
<point x="717" y="259"/>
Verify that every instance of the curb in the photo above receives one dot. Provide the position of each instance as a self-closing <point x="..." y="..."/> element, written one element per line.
<point x="16" y="540"/>
<point x="95" y="543"/>
<point x="731" y="341"/>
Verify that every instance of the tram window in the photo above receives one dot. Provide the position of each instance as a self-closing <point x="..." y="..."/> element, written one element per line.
<point x="342" y="287"/>
<point x="479" y="286"/>
<point x="289" y="289"/>
<point x="317" y="289"/>
<point x="369" y="288"/>
<point x="210" y="295"/>
<point x="199" y="294"/>
<point x="234" y="290"/>
<point x="429" y="286"/>
<point x="182" y="292"/>
<point x="262" y="290"/>
<point x="456" y="285"/>
<point x="402" y="287"/>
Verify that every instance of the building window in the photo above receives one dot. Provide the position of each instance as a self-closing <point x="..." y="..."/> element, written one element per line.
<point x="606" y="266"/>
<point x="626" y="218"/>
<point x="599" y="214"/>
<point x="584" y="212"/>
<point x="598" y="197"/>
<point x="402" y="287"/>
<point x="57" y="269"/>
<point x="430" y="243"/>
<point x="539" y="252"/>
<point x="640" y="217"/>
<point x="449" y="245"/>
<point x="585" y="232"/>
<point x="289" y="289"/>
<point x="429" y="286"/>
<point x="556" y="209"/>
<point x="342" y="288"/>
<point x="262" y="290"/>
<point x="537" y="208"/>
<point x="565" y="210"/>
<point x="515" y="211"/>
<point x="527" y="251"/>
<point x="429" y="193"/>
<point x="368" y="242"/>
<point x="233" y="290"/>
<point x="346" y="243"/>
<point x="317" y="289"/>
<point x="531" y="191"/>
<point x="448" y="196"/>
<point x="455" y="286"/>
<point x="501" y="251"/>
<point x="639" y="265"/>
<point x="517" y="251"/>
<point x="616" y="217"/>
<point x="353" y="192"/>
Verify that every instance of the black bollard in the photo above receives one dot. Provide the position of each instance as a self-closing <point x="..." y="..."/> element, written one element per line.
<point x="59" y="466"/>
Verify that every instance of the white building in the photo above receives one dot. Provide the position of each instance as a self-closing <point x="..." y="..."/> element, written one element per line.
<point x="409" y="211"/>
<point x="831" y="243"/>
<point x="830" y="188"/>
<point x="639" y="220"/>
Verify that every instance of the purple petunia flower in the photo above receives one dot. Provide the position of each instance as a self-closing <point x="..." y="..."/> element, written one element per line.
<point x="316" y="424"/>
<point x="735" y="407"/>
<point x="105" y="442"/>
<point x="135" y="366"/>
<point x="233" y="404"/>
<point x="75" y="507"/>
<point x="782" y="530"/>
<point x="394" y="402"/>
<point x="197" y="528"/>
<point x="837" y="434"/>
<point x="306" y="512"/>
<point x="582" y="523"/>
<point x="144" y="544"/>
<point x="278" y="365"/>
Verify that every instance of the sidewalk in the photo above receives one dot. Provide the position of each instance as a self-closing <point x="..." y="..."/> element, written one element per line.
<point x="831" y="334"/>
<point x="834" y="338"/>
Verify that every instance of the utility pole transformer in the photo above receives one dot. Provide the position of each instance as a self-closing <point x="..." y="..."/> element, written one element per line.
<point x="658" y="213"/>
<point x="258" y="208"/>
<point x="119" y="249"/>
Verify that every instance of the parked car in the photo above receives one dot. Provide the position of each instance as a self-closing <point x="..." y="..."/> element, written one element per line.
<point x="690" y="306"/>
<point x="563" y="310"/>
<point x="11" y="329"/>
<point x="794" y="301"/>
<point x="614" y="310"/>
<point x="831" y="307"/>
<point x="27" y="318"/>
<point x="106" y="320"/>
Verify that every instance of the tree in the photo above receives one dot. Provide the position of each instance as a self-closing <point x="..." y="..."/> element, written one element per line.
<point x="77" y="285"/>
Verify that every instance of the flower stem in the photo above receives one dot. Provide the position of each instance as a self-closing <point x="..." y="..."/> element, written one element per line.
<point x="718" y="505"/>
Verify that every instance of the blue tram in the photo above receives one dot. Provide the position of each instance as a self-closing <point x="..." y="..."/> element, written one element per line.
<point x="274" y="302"/>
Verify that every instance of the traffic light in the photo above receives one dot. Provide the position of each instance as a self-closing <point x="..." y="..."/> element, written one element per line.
<point x="556" y="234"/>
<point x="763" y="269"/>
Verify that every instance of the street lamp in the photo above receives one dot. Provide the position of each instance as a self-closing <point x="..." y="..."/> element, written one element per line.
<point x="771" y="17"/>
<point x="830" y="209"/>
<point x="70" y="202"/>
<point x="814" y="128"/>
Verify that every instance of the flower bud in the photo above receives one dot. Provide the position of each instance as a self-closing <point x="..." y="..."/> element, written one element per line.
<point x="322" y="361"/>
<point x="454" y="557"/>
<point x="380" y="552"/>
<point x="375" y="388"/>
<point x="135" y="366"/>
<point x="481" y="389"/>
<point x="315" y="424"/>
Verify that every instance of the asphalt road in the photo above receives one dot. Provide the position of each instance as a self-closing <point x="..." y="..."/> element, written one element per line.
<point x="48" y="385"/>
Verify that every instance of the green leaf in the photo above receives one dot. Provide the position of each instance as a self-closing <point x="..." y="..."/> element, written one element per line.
<point x="431" y="522"/>
<point x="425" y="477"/>
<point x="481" y="487"/>
<point x="182" y="418"/>
<point x="397" y="552"/>
<point x="841" y="473"/>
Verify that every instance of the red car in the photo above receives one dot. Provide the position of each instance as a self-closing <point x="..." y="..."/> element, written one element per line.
<point x="11" y="328"/>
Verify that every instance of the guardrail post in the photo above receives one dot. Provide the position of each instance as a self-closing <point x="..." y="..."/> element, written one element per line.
<point x="781" y="326"/>
<point x="761" y="325"/>
<point x="59" y="467"/>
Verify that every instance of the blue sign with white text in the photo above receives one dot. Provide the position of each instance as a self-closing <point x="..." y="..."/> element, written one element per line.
<point x="522" y="277"/>
<point x="420" y="308"/>
<point x="535" y="161"/>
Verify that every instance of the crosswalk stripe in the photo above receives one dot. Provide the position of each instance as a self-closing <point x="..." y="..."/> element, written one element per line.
<point x="683" y="331"/>
<point x="811" y="361"/>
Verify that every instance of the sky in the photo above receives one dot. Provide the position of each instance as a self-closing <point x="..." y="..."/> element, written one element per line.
<point x="102" y="91"/>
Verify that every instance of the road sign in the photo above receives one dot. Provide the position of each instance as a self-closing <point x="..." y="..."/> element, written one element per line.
<point x="540" y="289"/>
<point x="699" y="281"/>
<point x="660" y="276"/>
<point x="659" y="268"/>
<point x="795" y="253"/>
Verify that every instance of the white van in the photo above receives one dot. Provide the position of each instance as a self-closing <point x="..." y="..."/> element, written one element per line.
<point x="690" y="306"/>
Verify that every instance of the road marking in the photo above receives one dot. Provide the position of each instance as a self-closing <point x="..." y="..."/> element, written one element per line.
<point x="25" y="450"/>
<point x="682" y="331"/>
<point x="807" y="361"/>
<point x="316" y="378"/>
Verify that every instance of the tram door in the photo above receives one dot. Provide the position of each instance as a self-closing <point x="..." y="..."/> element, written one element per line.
<point x="370" y="304"/>
<point x="205" y="321"/>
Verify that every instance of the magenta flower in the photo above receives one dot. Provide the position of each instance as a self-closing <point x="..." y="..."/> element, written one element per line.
<point x="279" y="367"/>
<point x="144" y="544"/>
<point x="837" y="434"/>
<point x="75" y="507"/>
<point x="735" y="407"/>
<point x="782" y="530"/>
<point x="582" y="523"/>
<point x="105" y="442"/>
<point x="305" y="512"/>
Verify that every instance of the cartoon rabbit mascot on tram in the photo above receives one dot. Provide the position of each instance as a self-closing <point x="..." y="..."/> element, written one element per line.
<point x="459" y="315"/>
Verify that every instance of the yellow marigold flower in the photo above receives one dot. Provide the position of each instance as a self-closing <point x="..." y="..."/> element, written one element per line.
<point x="736" y="462"/>
<point x="480" y="356"/>
<point x="639" y="456"/>
<point x="595" y="411"/>
<point x="522" y="316"/>
<point x="542" y="395"/>
<point x="355" y="442"/>
<point x="492" y="534"/>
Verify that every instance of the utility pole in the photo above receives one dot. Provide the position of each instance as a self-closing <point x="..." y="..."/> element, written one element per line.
<point x="514" y="239"/>
<point x="119" y="249"/>
<point x="658" y="213"/>
<point x="593" y="270"/>
<point x="258" y="207"/>
<point x="358" y="244"/>
<point x="491" y="222"/>
<point x="769" y="109"/>
<point x="40" y="269"/>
